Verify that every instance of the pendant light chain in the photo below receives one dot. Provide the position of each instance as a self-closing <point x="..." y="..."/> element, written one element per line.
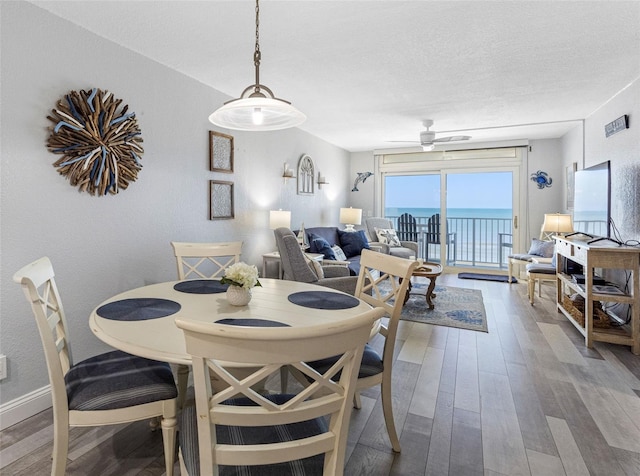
<point x="257" y="108"/>
<point x="257" y="55"/>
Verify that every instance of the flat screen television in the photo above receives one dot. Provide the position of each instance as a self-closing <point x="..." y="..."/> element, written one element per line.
<point x="592" y="201"/>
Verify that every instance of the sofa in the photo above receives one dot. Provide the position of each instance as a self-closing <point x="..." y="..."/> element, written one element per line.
<point x="351" y="243"/>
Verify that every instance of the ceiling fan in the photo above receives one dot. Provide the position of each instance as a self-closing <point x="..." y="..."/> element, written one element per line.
<point x="428" y="138"/>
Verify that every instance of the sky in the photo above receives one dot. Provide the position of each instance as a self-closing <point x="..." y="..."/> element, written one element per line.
<point x="476" y="190"/>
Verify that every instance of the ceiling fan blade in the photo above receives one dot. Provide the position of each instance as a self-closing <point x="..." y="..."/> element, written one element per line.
<point x="451" y="138"/>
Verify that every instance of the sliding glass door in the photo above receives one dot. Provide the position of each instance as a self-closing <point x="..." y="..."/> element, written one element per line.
<point x="479" y="217"/>
<point x="465" y="216"/>
<point x="419" y="196"/>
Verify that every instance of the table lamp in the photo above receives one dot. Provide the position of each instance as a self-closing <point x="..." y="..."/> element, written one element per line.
<point x="350" y="217"/>
<point x="279" y="219"/>
<point x="556" y="224"/>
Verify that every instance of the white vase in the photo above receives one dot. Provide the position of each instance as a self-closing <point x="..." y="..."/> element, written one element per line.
<point x="238" y="296"/>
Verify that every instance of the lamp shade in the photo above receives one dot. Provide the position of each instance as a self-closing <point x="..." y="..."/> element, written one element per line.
<point x="279" y="219"/>
<point x="557" y="223"/>
<point x="351" y="216"/>
<point x="257" y="114"/>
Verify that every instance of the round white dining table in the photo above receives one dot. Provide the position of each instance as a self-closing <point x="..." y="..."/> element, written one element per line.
<point x="142" y="321"/>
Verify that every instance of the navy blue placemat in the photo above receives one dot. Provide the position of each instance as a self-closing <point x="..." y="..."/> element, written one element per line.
<point x="201" y="286"/>
<point x="252" y="322"/>
<point x="138" y="309"/>
<point x="323" y="300"/>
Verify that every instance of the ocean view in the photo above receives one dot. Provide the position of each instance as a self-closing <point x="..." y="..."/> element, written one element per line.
<point x="452" y="212"/>
<point x="476" y="232"/>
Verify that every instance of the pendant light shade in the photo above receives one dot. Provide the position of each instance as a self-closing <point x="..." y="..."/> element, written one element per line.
<point x="257" y="114"/>
<point x="257" y="109"/>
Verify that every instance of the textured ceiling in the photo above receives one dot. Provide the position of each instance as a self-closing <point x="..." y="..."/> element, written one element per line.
<point x="368" y="72"/>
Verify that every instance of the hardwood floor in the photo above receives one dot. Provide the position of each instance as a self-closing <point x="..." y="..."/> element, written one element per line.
<point x="526" y="398"/>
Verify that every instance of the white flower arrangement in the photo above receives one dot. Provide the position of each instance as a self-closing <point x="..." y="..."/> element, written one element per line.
<point x="242" y="275"/>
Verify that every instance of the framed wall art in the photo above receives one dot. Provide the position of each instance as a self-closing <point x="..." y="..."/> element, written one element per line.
<point x="571" y="184"/>
<point x="220" y="200"/>
<point x="306" y="175"/>
<point x="220" y="152"/>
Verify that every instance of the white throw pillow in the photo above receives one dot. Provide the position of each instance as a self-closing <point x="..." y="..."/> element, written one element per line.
<point x="316" y="267"/>
<point x="340" y="256"/>
<point x="388" y="236"/>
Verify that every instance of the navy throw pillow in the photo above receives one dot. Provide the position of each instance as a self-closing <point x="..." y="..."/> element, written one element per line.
<point x="312" y="246"/>
<point x="352" y="243"/>
<point x="322" y="246"/>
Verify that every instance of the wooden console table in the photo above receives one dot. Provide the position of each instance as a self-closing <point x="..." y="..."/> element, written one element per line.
<point x="603" y="255"/>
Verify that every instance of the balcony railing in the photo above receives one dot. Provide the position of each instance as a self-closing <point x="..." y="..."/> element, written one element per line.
<point x="476" y="242"/>
<point x="480" y="242"/>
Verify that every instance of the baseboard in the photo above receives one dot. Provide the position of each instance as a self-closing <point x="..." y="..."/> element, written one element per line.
<point x="24" y="407"/>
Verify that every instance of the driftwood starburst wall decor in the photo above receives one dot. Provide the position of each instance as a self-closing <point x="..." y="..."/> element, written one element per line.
<point x="100" y="142"/>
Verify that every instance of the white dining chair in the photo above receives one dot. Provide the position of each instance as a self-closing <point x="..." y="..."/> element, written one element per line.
<point x="383" y="282"/>
<point x="202" y="261"/>
<point x="205" y="260"/>
<point x="107" y="389"/>
<point x="246" y="432"/>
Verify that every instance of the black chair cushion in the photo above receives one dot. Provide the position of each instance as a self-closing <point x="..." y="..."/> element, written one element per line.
<point x="371" y="363"/>
<point x="188" y="440"/>
<point x="118" y="380"/>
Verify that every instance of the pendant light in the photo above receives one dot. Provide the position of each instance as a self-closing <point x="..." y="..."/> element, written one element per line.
<point x="257" y="109"/>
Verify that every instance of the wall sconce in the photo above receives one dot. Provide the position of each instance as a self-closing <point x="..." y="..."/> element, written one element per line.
<point x="350" y="217"/>
<point x="287" y="173"/>
<point x="322" y="180"/>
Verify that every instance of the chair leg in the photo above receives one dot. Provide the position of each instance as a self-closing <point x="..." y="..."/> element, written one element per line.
<point x="510" y="269"/>
<point x="169" y="429"/>
<point x="60" y="447"/>
<point x="531" y="286"/>
<point x="357" y="402"/>
<point x="387" y="409"/>
<point x="183" y="379"/>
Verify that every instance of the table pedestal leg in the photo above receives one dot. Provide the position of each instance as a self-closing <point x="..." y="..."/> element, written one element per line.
<point x="430" y="294"/>
<point x="406" y="296"/>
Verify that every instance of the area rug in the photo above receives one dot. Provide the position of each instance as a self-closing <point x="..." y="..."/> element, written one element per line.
<point x="454" y="307"/>
<point x="487" y="277"/>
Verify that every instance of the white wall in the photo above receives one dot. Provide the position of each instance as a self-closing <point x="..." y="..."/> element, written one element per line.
<point x="364" y="198"/>
<point x="622" y="149"/>
<point x="101" y="246"/>
<point x="545" y="155"/>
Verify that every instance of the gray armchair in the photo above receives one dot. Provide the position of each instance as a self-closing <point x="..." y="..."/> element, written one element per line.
<point x="406" y="248"/>
<point x="296" y="267"/>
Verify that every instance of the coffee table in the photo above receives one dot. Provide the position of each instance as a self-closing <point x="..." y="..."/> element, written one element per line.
<point x="430" y="271"/>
